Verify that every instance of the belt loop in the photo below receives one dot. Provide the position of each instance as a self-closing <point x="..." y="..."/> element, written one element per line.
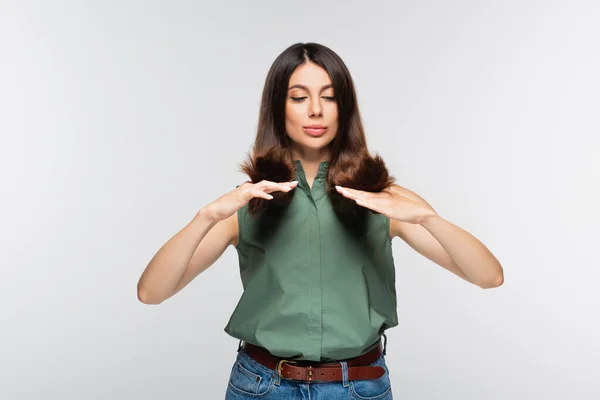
<point x="276" y="377"/>
<point x="239" y="346"/>
<point x="345" y="373"/>
<point x="384" y="344"/>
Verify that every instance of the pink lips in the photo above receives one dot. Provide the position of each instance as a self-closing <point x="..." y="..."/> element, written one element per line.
<point x="315" y="130"/>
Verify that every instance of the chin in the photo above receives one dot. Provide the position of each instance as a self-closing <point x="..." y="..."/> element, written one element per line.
<point x="316" y="145"/>
<point x="314" y="142"/>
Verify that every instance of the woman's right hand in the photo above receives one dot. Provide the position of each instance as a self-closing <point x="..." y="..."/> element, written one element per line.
<point x="229" y="203"/>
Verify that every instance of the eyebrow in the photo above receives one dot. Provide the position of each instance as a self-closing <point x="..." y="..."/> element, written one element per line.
<point x="306" y="88"/>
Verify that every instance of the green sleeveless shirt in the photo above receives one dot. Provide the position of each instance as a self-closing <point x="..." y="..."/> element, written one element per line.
<point x="312" y="289"/>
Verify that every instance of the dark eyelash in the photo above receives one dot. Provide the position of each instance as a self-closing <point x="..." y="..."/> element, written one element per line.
<point x="298" y="99"/>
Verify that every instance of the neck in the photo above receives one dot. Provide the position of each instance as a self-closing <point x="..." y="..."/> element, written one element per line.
<point x="311" y="160"/>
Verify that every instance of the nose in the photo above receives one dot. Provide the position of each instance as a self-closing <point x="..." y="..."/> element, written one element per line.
<point x="315" y="108"/>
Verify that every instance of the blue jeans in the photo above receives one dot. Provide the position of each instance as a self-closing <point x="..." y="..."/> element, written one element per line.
<point x="251" y="380"/>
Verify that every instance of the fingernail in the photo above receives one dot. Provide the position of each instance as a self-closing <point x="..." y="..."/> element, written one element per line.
<point x="294" y="182"/>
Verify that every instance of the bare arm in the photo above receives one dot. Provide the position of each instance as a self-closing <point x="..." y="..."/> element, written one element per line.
<point x="200" y="243"/>
<point x="419" y="239"/>
<point x="193" y="249"/>
<point x="210" y="249"/>
<point x="471" y="254"/>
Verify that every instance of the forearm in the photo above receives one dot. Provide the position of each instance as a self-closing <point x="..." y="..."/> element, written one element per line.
<point x="472" y="257"/>
<point x="165" y="269"/>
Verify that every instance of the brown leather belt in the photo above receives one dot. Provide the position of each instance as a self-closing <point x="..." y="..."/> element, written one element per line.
<point x="358" y="367"/>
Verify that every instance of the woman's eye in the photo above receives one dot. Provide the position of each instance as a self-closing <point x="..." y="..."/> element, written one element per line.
<point x="299" y="99"/>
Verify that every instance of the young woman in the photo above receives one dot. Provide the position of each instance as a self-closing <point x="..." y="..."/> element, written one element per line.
<point x="313" y="228"/>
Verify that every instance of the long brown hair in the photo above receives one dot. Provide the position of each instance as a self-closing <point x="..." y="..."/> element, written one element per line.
<point x="350" y="164"/>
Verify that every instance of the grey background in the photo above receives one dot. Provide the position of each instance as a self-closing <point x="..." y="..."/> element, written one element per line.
<point x="119" y="120"/>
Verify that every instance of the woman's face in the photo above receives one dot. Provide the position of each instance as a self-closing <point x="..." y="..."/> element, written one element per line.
<point x="310" y="101"/>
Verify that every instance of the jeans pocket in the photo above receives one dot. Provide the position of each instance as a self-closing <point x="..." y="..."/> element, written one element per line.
<point x="248" y="378"/>
<point x="373" y="389"/>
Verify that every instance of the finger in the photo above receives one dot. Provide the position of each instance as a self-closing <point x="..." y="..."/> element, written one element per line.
<point x="279" y="187"/>
<point x="260" y="193"/>
<point x="353" y="193"/>
<point x="269" y="186"/>
<point x="373" y="205"/>
<point x="363" y="203"/>
<point x="368" y="204"/>
<point x="253" y="192"/>
<point x="290" y="185"/>
<point x="287" y="186"/>
<point x="344" y="191"/>
<point x="348" y="190"/>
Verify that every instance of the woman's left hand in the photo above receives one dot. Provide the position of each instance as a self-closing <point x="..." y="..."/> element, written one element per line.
<point x="391" y="203"/>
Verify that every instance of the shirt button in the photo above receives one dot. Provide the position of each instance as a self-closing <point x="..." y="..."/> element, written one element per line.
<point x="320" y="179"/>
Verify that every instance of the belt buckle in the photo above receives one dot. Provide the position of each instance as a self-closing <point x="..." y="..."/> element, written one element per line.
<point x="280" y="368"/>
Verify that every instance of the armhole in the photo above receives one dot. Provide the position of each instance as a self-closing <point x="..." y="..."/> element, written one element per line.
<point x="388" y="227"/>
<point x="382" y="222"/>
<point x="239" y="228"/>
<point x="239" y="225"/>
